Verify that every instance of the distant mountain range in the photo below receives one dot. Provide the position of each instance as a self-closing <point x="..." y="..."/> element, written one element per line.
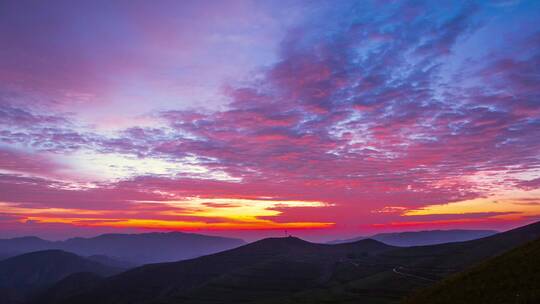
<point x="290" y="270"/>
<point x="420" y="238"/>
<point x="127" y="249"/>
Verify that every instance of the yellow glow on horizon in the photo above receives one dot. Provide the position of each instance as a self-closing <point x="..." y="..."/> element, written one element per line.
<point x="511" y="201"/>
<point x="176" y="225"/>
<point x="232" y="208"/>
<point x="209" y="213"/>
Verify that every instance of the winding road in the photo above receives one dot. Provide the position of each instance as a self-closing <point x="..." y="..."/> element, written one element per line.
<point x="397" y="270"/>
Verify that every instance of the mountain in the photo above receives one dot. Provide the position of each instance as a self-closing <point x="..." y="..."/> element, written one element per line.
<point x="23" y="276"/>
<point x="412" y="268"/>
<point x="151" y="247"/>
<point x="290" y="270"/>
<point x="270" y="268"/>
<point x="5" y="255"/>
<point x="134" y="249"/>
<point x="420" y="238"/>
<point x="20" y="245"/>
<point x="351" y="240"/>
<point x="513" y="277"/>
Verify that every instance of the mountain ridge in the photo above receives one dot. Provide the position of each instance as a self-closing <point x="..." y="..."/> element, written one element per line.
<point x="134" y="249"/>
<point x="244" y="264"/>
<point x="422" y="237"/>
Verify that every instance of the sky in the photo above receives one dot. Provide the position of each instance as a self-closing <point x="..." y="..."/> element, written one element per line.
<point x="321" y="119"/>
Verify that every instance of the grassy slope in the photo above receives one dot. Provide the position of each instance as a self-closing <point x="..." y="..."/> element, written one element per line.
<point x="513" y="277"/>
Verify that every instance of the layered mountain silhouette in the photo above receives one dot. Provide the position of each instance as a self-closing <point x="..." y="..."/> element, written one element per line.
<point x="269" y="268"/>
<point x="420" y="238"/>
<point x="23" y="276"/>
<point x="20" y="245"/>
<point x="130" y="249"/>
<point x="290" y="270"/>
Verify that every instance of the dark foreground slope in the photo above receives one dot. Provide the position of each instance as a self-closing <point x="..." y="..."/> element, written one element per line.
<point x="69" y="286"/>
<point x="513" y="277"/>
<point x="458" y="256"/>
<point x="153" y="247"/>
<point x="23" y="276"/>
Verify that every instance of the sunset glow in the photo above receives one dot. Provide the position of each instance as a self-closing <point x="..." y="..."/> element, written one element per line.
<point x="247" y="118"/>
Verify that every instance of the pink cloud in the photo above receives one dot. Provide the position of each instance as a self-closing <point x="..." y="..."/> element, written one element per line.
<point x="355" y="112"/>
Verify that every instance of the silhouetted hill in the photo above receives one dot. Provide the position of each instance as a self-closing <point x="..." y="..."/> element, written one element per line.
<point x="24" y="275"/>
<point x="513" y="277"/>
<point x="129" y="248"/>
<point x="272" y="268"/>
<point x="5" y="255"/>
<point x="420" y="238"/>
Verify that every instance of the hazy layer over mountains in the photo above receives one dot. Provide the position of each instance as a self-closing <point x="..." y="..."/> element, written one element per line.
<point x="420" y="238"/>
<point x="127" y="249"/>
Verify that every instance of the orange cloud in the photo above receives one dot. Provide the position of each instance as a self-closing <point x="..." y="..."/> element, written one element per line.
<point x="180" y="225"/>
<point x="190" y="213"/>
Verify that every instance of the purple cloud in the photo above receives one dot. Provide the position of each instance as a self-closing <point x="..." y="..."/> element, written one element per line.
<point x="409" y="107"/>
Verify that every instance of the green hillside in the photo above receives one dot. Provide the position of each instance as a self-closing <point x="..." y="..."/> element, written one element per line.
<point x="513" y="277"/>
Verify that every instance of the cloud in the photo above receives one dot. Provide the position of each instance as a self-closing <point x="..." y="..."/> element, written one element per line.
<point x="15" y="116"/>
<point x="530" y="184"/>
<point x="358" y="110"/>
